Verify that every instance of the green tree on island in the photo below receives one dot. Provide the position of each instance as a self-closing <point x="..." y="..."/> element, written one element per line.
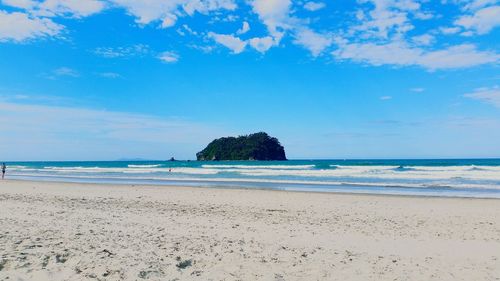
<point x="258" y="146"/>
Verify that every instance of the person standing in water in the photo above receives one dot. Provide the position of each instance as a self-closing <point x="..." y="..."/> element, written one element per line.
<point x="3" y="170"/>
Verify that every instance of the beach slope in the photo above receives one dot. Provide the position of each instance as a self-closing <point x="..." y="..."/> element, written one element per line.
<point x="66" y="231"/>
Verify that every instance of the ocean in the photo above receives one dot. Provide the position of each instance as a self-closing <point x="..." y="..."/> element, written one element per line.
<point x="443" y="177"/>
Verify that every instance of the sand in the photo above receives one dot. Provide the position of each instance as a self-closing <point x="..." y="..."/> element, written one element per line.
<point x="67" y="231"/>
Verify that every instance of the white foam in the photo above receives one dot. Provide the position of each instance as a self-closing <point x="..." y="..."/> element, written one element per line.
<point x="300" y="182"/>
<point x="291" y="167"/>
<point x="430" y="175"/>
<point x="384" y="172"/>
<point x="184" y="170"/>
<point x="16" y="166"/>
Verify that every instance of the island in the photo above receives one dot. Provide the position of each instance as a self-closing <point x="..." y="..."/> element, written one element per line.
<point x="258" y="146"/>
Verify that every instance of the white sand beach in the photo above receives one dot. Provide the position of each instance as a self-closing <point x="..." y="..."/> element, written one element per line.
<point x="66" y="231"/>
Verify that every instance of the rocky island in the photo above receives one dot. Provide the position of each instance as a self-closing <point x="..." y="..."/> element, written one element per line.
<point x="258" y="146"/>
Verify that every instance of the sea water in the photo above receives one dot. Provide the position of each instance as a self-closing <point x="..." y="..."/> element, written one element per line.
<point x="444" y="177"/>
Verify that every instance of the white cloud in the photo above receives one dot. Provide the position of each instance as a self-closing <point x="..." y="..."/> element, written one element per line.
<point x="111" y="75"/>
<point x="272" y="10"/>
<point x="121" y="52"/>
<point x="235" y="44"/>
<point x="137" y="50"/>
<point x="149" y="11"/>
<point x="263" y="44"/>
<point x="424" y="39"/>
<point x="274" y="14"/>
<point x="386" y="18"/>
<point x="314" y="6"/>
<point x="488" y="95"/>
<point x="477" y="4"/>
<point x="417" y="90"/>
<point x="35" y="22"/>
<point x="316" y="43"/>
<point x="76" y="8"/>
<point x="202" y="48"/>
<point x="167" y="12"/>
<point x="399" y="53"/>
<point x="66" y="71"/>
<point x="381" y="38"/>
<point x="20" y="27"/>
<point x="244" y="28"/>
<point x="394" y="53"/>
<point x="482" y="21"/>
<point x="467" y="33"/>
<point x="168" y="21"/>
<point x="188" y="29"/>
<point x="168" y="57"/>
<point x="423" y="16"/>
<point x="376" y="32"/>
<point x="204" y="7"/>
<point x="51" y="8"/>
<point x="23" y="4"/>
<point x="460" y="56"/>
<point x="449" y="30"/>
<point x="385" y="98"/>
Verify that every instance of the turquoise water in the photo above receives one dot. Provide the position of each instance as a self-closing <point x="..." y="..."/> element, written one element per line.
<point x="457" y="177"/>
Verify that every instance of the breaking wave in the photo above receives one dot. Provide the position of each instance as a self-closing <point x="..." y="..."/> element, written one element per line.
<point x="474" y="177"/>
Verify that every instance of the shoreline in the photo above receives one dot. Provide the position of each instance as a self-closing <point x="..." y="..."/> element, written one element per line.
<point x="472" y="178"/>
<point x="251" y="188"/>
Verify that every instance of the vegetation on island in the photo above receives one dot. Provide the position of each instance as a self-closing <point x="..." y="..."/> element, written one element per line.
<point x="258" y="146"/>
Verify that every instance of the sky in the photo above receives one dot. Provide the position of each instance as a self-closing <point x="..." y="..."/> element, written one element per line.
<point x="112" y="79"/>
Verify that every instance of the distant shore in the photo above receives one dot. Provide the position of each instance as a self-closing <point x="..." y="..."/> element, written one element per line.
<point x="73" y="231"/>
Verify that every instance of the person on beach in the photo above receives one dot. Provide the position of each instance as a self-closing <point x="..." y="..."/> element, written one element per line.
<point x="3" y="170"/>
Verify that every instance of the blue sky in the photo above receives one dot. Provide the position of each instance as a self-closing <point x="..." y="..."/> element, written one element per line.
<point x="109" y="79"/>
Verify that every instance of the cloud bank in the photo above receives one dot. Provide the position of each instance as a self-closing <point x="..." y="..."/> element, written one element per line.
<point x="372" y="32"/>
<point x="42" y="131"/>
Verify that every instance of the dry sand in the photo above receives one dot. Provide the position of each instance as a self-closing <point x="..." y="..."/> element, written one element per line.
<point x="63" y="231"/>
